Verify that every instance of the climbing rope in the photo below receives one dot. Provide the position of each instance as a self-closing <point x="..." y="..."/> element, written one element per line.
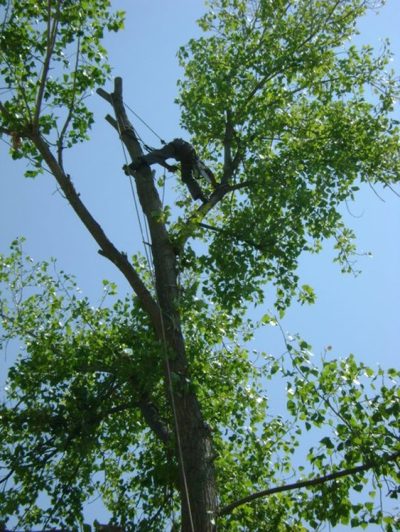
<point x="150" y="262"/>
<point x="146" y="124"/>
<point x="135" y="202"/>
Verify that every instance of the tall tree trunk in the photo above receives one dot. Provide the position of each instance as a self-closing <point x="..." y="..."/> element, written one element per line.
<point x="193" y="437"/>
<point x="194" y="449"/>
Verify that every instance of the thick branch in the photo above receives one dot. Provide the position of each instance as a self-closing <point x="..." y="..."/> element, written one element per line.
<point x="144" y="402"/>
<point x="149" y="412"/>
<point x="226" y="510"/>
<point x="152" y="418"/>
<point x="107" y="248"/>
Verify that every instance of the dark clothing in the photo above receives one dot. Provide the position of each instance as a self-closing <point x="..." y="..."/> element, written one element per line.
<point x="191" y="167"/>
<point x="177" y="149"/>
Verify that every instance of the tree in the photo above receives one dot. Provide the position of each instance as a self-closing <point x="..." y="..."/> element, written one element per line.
<point x="154" y="400"/>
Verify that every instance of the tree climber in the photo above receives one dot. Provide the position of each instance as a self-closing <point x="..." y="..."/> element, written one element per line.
<point x="192" y="168"/>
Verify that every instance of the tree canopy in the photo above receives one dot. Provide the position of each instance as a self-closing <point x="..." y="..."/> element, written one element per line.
<point x="154" y="400"/>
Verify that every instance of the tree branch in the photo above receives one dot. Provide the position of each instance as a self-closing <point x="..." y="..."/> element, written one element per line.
<point x="64" y="129"/>
<point x="3" y="130"/>
<point x="51" y="41"/>
<point x="234" y="236"/>
<point x="146" y="406"/>
<point x="7" y="476"/>
<point x="194" y="219"/>
<point x="229" y="131"/>
<point x="226" y="510"/>
<point x="153" y="419"/>
<point x="144" y="402"/>
<point x="122" y="123"/>
<point x="105" y="95"/>
<point x="4" y="111"/>
<point x="284" y="63"/>
<point x="107" y="248"/>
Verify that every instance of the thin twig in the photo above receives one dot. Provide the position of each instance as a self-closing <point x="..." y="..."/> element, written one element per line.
<point x="52" y="29"/>
<point x="60" y="146"/>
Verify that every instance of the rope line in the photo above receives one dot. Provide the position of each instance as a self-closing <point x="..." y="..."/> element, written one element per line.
<point x="178" y="438"/>
<point x="137" y="210"/>
<point x="164" y="339"/>
<point x="146" y="124"/>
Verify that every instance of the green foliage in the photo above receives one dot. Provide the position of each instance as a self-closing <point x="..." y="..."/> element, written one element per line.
<point x="71" y="425"/>
<point x="262" y="93"/>
<point x="282" y="73"/>
<point x="362" y="407"/>
<point x="76" y="385"/>
<point x="51" y="58"/>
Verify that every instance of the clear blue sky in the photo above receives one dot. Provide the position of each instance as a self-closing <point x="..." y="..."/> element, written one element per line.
<point x="358" y="315"/>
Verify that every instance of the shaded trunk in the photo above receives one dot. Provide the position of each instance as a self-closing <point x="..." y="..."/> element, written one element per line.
<point x="193" y="437"/>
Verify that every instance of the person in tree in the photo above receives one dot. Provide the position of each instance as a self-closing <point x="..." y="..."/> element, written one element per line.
<point x="192" y="168"/>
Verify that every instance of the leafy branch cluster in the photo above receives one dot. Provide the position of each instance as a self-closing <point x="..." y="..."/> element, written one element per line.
<point x="51" y="59"/>
<point x="261" y="95"/>
<point x="85" y="389"/>
<point x="153" y="401"/>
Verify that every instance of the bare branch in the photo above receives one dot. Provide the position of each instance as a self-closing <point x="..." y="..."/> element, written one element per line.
<point x="60" y="146"/>
<point x="105" y="95"/>
<point x="107" y="248"/>
<point x="124" y="127"/>
<point x="111" y="120"/>
<point x="226" y="510"/>
<point x="52" y="29"/>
